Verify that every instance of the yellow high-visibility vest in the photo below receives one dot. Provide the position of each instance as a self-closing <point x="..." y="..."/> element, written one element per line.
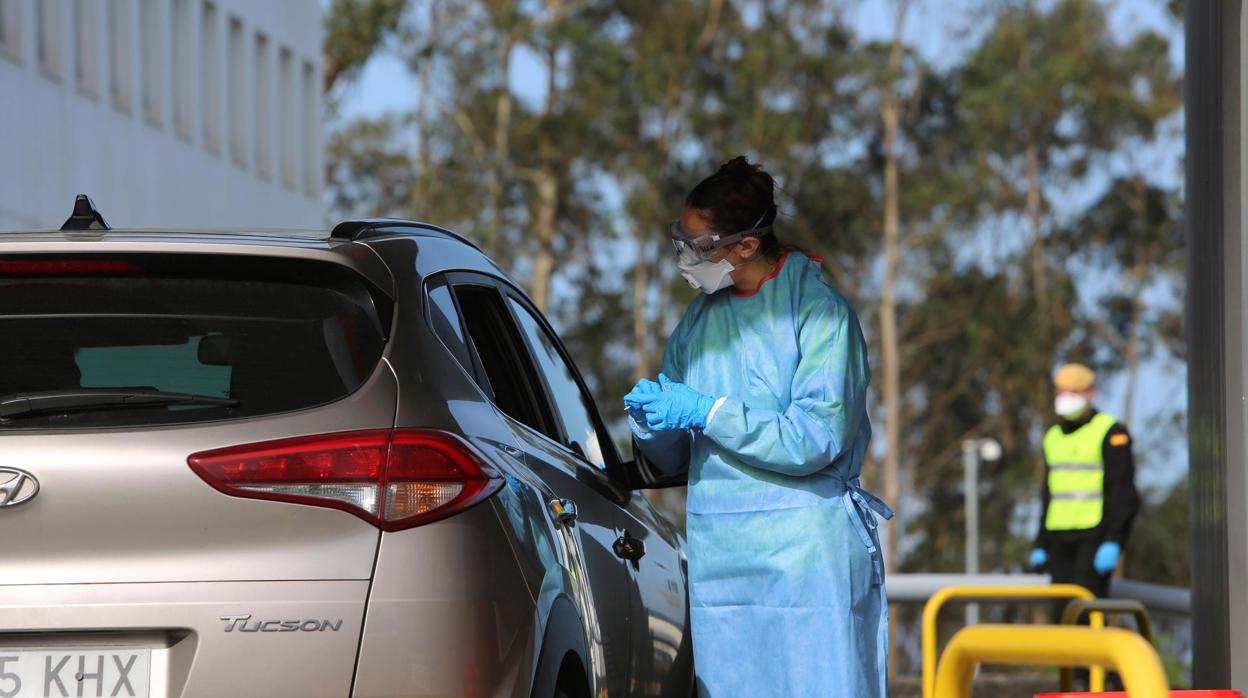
<point x="1076" y="474"/>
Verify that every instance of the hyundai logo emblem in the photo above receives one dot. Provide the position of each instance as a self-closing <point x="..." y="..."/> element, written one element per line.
<point x="16" y="487"/>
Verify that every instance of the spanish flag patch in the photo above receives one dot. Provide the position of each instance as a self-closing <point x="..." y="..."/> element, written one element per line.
<point x="1119" y="440"/>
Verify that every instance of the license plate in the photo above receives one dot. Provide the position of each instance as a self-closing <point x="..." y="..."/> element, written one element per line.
<point x="76" y="672"/>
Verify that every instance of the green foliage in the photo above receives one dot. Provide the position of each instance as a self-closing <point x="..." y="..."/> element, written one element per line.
<point x="369" y="169"/>
<point x="1154" y="554"/>
<point x="353" y="31"/>
<point x="1057" y="81"/>
<point x="1133" y="232"/>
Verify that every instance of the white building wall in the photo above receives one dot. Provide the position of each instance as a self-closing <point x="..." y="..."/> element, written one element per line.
<point x="136" y="136"/>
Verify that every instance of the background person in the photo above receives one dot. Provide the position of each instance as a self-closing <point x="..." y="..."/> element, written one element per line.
<point x="763" y="398"/>
<point x="1089" y="494"/>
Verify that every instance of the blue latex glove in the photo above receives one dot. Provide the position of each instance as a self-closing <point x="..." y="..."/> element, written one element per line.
<point x="1106" y="560"/>
<point x="643" y="387"/>
<point x="1039" y="558"/>
<point x="677" y="406"/>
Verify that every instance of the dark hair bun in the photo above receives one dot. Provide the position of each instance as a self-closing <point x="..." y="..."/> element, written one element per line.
<point x="736" y="197"/>
<point x="739" y="167"/>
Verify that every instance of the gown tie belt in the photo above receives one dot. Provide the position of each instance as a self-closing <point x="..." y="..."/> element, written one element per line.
<point x="863" y="507"/>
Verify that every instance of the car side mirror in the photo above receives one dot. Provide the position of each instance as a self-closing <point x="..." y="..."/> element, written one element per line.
<point x="641" y="474"/>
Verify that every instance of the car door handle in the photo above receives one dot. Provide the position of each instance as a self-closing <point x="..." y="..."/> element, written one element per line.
<point x="512" y="451"/>
<point x="628" y="548"/>
<point x="564" y="510"/>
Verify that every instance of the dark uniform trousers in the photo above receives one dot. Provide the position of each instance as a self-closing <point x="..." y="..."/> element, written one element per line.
<point x="1070" y="562"/>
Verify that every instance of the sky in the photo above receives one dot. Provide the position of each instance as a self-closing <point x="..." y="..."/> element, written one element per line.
<point x="386" y="85"/>
<point x="941" y="30"/>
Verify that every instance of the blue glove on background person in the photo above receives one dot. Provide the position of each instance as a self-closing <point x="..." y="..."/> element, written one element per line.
<point x="1106" y="560"/>
<point x="644" y="386"/>
<point x="676" y="406"/>
<point x="1039" y="557"/>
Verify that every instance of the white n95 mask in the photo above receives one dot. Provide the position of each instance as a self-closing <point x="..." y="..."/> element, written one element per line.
<point x="707" y="277"/>
<point x="1070" y="405"/>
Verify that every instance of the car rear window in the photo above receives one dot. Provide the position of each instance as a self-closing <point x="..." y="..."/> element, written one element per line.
<point x="268" y="335"/>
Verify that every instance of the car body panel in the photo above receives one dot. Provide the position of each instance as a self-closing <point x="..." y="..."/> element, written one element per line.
<point x="193" y="656"/>
<point x="434" y="390"/>
<point x="661" y="661"/>
<point x="448" y="614"/>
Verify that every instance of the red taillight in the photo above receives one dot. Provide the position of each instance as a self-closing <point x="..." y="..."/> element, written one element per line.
<point x="68" y="267"/>
<point x="392" y="479"/>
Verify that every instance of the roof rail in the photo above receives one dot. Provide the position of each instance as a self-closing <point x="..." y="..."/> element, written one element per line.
<point x="360" y="229"/>
<point x="85" y="216"/>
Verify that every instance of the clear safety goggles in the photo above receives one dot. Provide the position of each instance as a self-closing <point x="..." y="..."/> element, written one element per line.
<point x="692" y="250"/>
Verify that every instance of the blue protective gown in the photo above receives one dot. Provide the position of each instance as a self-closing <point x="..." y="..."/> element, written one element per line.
<point x="785" y="575"/>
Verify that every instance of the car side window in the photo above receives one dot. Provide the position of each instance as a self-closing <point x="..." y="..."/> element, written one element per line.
<point x="573" y="408"/>
<point x="444" y="318"/>
<point x="511" y="380"/>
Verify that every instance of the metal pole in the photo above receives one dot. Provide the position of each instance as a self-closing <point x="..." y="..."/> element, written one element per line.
<point x="1214" y="98"/>
<point x="970" y="466"/>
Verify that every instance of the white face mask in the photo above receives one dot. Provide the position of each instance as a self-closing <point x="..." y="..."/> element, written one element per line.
<point x="1070" y="405"/>
<point x="709" y="277"/>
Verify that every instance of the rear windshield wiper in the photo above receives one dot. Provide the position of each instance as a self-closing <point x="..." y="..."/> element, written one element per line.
<point x="20" y="404"/>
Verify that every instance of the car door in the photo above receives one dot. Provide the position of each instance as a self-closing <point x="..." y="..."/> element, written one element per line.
<point x="560" y="440"/>
<point x="660" y="657"/>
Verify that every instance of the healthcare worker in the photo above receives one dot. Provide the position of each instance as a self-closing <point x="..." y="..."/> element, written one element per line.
<point x="763" y="398"/>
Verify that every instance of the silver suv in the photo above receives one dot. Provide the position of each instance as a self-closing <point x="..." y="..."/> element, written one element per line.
<point x="290" y="464"/>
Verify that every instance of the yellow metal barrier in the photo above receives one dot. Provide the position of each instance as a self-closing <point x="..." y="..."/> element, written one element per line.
<point x="1095" y="607"/>
<point x="931" y="611"/>
<point x="1128" y="653"/>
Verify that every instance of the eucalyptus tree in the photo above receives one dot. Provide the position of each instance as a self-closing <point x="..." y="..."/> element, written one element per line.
<point x="1048" y="93"/>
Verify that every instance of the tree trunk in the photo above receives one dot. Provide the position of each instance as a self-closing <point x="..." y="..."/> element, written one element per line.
<point x="1138" y="276"/>
<point x="890" y="114"/>
<point x="422" y="190"/>
<point x="711" y="27"/>
<point x="889" y="348"/>
<point x="641" y="279"/>
<point x="643" y="330"/>
<point x="1131" y="357"/>
<point x="500" y="170"/>
<point x="547" y="182"/>
<point x="1035" y="216"/>
<point x="890" y="344"/>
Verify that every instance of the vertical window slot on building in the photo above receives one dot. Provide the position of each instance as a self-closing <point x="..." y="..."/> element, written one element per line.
<point x="121" y="75"/>
<point x="237" y="91"/>
<point x="48" y="32"/>
<point x="86" y="46"/>
<point x="152" y="60"/>
<point x="210" y="68"/>
<point x="310" y="119"/>
<point x="262" y="96"/>
<point x="182" y="78"/>
<point x="286" y="116"/>
<point x="10" y="21"/>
